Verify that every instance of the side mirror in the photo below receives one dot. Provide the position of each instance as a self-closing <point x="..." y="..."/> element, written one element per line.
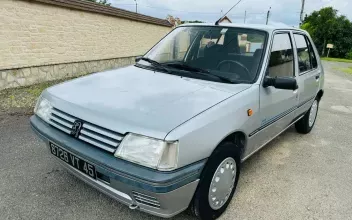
<point x="138" y="58"/>
<point x="286" y="83"/>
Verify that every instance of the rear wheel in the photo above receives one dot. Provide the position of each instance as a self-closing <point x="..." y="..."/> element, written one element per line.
<point x="218" y="183"/>
<point x="305" y="124"/>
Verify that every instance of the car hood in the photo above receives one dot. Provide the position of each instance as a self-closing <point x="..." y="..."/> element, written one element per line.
<point x="137" y="100"/>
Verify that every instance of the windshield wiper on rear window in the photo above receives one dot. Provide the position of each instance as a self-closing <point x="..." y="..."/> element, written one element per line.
<point x="155" y="63"/>
<point x="199" y="70"/>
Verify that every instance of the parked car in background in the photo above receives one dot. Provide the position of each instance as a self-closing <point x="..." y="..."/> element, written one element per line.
<point x="170" y="132"/>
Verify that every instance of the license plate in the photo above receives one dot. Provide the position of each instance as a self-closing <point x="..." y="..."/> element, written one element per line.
<point x="73" y="161"/>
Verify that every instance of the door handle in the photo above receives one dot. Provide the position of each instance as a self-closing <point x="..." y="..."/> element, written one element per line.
<point x="317" y="76"/>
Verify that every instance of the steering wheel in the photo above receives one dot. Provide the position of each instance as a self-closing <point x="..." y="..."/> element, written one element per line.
<point x="246" y="74"/>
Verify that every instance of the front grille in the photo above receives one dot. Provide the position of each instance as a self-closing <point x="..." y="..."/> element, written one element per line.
<point x="95" y="135"/>
<point x="146" y="200"/>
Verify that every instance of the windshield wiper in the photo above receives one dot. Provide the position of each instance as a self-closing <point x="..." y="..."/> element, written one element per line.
<point x="222" y="78"/>
<point x="199" y="71"/>
<point x="155" y="63"/>
<point x="187" y="67"/>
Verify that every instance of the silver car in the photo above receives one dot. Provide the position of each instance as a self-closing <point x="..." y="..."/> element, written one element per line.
<point x="170" y="132"/>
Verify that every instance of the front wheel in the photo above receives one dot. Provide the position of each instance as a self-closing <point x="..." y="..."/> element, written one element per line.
<point x="218" y="183"/>
<point x="305" y="124"/>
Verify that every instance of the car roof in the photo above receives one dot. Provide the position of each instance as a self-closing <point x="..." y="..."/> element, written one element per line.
<point x="268" y="28"/>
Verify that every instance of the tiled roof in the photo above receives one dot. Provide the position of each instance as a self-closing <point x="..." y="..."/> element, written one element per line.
<point x="103" y="9"/>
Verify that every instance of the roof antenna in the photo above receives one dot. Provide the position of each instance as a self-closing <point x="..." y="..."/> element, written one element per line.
<point x="218" y="21"/>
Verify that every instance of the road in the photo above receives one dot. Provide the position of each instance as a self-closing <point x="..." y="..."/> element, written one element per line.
<point x="294" y="177"/>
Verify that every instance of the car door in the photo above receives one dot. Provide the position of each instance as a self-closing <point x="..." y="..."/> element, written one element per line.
<point x="277" y="106"/>
<point x="309" y="73"/>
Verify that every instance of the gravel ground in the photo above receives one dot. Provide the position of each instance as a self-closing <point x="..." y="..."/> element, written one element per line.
<point x="15" y="101"/>
<point x="294" y="177"/>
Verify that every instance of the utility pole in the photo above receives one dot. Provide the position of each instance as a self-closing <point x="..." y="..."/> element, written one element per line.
<point x="302" y="10"/>
<point x="136" y="6"/>
<point x="245" y="15"/>
<point x="267" y="16"/>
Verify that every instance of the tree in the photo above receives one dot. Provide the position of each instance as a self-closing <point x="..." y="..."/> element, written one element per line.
<point x="103" y="2"/>
<point x="325" y="26"/>
<point x="342" y="37"/>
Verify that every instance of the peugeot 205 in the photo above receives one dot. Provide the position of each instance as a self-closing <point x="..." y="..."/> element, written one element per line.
<point x="170" y="132"/>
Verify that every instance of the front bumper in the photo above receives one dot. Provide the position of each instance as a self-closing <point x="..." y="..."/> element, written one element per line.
<point x="163" y="194"/>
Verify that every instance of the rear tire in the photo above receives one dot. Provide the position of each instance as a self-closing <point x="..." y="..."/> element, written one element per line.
<point x="225" y="163"/>
<point x="306" y="124"/>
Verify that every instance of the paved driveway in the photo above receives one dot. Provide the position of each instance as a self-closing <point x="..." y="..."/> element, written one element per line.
<point x="294" y="177"/>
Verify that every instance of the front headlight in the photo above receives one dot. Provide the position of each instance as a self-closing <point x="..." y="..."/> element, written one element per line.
<point x="149" y="152"/>
<point x="43" y="109"/>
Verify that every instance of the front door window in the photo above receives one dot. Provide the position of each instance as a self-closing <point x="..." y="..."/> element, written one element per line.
<point x="281" y="57"/>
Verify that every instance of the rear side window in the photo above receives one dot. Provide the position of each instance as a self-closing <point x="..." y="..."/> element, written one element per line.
<point x="313" y="58"/>
<point x="281" y="58"/>
<point x="306" y="57"/>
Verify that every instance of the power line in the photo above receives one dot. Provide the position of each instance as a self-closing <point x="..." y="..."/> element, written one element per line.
<point x="168" y="9"/>
<point x="257" y="13"/>
<point x="198" y="12"/>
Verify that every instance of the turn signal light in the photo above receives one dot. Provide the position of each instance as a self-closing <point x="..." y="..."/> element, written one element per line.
<point x="250" y="112"/>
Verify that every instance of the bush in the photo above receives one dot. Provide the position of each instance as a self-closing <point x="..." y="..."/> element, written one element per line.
<point x="349" y="55"/>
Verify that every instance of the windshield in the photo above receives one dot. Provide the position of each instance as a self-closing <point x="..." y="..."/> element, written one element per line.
<point x="223" y="52"/>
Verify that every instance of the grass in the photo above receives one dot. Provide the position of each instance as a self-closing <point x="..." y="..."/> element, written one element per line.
<point x="336" y="59"/>
<point x="346" y="70"/>
<point x="23" y="99"/>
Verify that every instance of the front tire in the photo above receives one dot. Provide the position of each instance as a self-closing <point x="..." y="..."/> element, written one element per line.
<point x="306" y="124"/>
<point x="218" y="182"/>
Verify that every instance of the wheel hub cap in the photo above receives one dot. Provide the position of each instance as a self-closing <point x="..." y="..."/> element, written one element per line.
<point x="313" y="113"/>
<point x="222" y="183"/>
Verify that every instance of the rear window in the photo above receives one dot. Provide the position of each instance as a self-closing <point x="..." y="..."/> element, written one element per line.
<point x="245" y="44"/>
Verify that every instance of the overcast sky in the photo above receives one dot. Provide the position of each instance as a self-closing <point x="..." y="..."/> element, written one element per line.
<point x="282" y="11"/>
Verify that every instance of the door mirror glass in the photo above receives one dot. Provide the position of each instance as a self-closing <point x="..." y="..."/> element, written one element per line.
<point x="287" y="83"/>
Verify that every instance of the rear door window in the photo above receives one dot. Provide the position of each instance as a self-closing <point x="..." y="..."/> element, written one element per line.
<point x="313" y="57"/>
<point x="281" y="57"/>
<point x="303" y="53"/>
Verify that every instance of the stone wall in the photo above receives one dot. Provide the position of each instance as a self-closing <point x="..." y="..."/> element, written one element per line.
<point x="43" y="41"/>
<point x="37" y="74"/>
